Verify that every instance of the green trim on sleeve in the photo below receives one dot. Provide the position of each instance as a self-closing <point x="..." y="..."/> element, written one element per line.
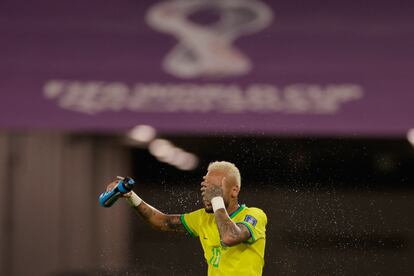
<point x="186" y="226"/>
<point x="249" y="227"/>
<point x="232" y="215"/>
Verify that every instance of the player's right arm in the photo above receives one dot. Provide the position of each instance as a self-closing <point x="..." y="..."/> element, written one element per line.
<point x="158" y="219"/>
<point x="154" y="217"/>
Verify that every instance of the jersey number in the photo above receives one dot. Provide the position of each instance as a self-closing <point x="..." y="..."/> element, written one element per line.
<point x="215" y="259"/>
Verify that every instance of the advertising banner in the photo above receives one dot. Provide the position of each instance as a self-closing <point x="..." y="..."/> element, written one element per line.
<point x="208" y="66"/>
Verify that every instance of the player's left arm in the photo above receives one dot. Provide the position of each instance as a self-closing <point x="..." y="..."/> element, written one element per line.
<point x="230" y="232"/>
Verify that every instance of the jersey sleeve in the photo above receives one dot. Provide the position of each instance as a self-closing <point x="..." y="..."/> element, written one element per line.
<point x="255" y="220"/>
<point x="191" y="222"/>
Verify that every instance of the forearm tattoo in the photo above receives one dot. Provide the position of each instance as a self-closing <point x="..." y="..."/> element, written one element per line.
<point x="158" y="219"/>
<point x="145" y="211"/>
<point x="229" y="231"/>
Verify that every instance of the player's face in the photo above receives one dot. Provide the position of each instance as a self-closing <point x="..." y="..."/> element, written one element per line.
<point x="215" y="178"/>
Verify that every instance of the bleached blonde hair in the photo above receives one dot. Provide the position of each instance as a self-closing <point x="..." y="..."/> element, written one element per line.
<point x="228" y="168"/>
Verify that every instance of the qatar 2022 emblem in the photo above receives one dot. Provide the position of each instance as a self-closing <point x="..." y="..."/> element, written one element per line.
<point x="206" y="48"/>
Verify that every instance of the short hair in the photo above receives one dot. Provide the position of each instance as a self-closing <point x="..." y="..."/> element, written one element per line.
<point x="231" y="171"/>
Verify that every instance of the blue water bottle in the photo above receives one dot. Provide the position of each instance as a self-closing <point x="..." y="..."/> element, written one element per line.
<point x="125" y="185"/>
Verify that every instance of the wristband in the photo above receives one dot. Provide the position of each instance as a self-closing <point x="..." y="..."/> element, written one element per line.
<point x="217" y="203"/>
<point x="134" y="200"/>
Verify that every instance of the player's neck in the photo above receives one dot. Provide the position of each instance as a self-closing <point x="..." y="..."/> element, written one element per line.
<point x="233" y="206"/>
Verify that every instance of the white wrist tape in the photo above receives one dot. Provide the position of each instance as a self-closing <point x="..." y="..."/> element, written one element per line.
<point x="134" y="200"/>
<point x="217" y="203"/>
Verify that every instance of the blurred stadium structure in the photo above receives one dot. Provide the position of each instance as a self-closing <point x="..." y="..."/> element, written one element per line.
<point x="311" y="99"/>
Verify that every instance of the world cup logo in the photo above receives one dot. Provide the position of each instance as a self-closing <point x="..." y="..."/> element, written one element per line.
<point x="206" y="49"/>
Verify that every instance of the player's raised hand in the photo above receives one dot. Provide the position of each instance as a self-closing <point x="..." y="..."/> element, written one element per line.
<point x="210" y="191"/>
<point x="112" y="185"/>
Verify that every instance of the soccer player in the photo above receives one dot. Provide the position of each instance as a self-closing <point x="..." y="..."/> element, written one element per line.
<point x="232" y="235"/>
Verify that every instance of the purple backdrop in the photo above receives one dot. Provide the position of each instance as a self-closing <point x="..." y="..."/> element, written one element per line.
<point x="316" y="67"/>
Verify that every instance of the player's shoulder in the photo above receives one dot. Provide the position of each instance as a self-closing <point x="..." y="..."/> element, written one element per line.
<point x="199" y="212"/>
<point x="256" y="212"/>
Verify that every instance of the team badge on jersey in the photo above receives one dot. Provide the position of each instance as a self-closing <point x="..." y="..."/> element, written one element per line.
<point x="251" y="220"/>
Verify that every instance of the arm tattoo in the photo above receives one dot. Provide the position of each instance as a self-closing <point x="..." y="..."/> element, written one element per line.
<point x="173" y="223"/>
<point x="145" y="211"/>
<point x="158" y="219"/>
<point x="230" y="232"/>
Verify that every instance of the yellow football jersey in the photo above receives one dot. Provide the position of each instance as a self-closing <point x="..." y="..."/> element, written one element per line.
<point x="245" y="258"/>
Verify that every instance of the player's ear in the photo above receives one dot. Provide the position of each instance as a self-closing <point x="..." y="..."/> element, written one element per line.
<point x="235" y="191"/>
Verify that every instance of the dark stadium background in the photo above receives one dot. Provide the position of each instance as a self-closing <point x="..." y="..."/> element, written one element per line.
<point x="335" y="206"/>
